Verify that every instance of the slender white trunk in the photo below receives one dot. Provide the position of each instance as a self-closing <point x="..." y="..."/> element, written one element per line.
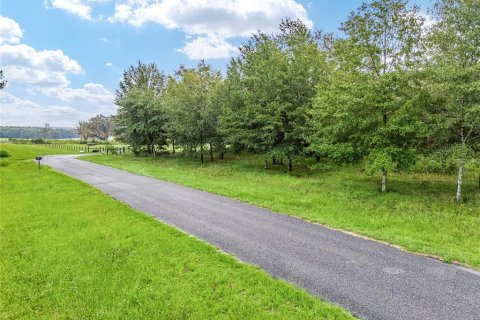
<point x="384" y="180"/>
<point x="458" y="196"/>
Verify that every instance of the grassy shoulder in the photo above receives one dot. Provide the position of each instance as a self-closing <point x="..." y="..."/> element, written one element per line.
<point x="418" y="213"/>
<point x="69" y="251"/>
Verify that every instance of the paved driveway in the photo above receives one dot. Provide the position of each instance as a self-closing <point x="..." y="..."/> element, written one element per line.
<point x="370" y="279"/>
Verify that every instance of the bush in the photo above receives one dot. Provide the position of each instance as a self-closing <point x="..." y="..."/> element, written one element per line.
<point x="3" y="163"/>
<point x="435" y="164"/>
<point x="4" y="154"/>
<point x="37" y="141"/>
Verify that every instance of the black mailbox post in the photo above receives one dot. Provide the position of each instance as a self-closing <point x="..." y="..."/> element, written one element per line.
<point x="38" y="160"/>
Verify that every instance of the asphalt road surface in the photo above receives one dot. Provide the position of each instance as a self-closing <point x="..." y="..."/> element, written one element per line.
<point x="370" y="279"/>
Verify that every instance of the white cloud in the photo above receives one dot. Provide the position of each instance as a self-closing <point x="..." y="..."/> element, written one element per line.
<point x="10" y="31"/>
<point x="76" y="7"/>
<point x="108" y="64"/>
<point x="211" y="22"/>
<point x="226" y="18"/>
<point x="122" y="13"/>
<point x="208" y="24"/>
<point x="210" y="47"/>
<point x="43" y="78"/>
<point x="47" y="67"/>
<point x="24" y="55"/>
<point x="42" y="75"/>
<point x="17" y="111"/>
<point x="93" y="93"/>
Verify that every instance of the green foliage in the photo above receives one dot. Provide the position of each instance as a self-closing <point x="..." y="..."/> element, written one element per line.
<point x="140" y="77"/>
<point x="372" y="104"/>
<point x="37" y="141"/>
<point x="190" y="98"/>
<point x="270" y="87"/>
<point x="454" y="81"/>
<point x="141" y="121"/>
<point x="388" y="91"/>
<point x="98" y="127"/>
<point x="4" y="154"/>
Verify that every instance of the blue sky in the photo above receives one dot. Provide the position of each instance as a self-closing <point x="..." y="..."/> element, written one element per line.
<point x="63" y="58"/>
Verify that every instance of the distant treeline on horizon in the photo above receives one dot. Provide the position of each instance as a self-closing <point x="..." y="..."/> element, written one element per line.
<point x="19" y="132"/>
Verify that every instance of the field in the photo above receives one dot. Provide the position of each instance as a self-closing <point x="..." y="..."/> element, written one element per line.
<point x="67" y="251"/>
<point x="418" y="213"/>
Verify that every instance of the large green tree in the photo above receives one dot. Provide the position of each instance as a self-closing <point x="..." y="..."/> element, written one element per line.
<point x="192" y="111"/>
<point x="271" y="86"/>
<point x="372" y="104"/>
<point x="142" y="121"/>
<point x="141" y="118"/>
<point x="454" y="66"/>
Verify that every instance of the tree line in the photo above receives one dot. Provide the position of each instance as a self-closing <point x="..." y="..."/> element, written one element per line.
<point x="389" y="89"/>
<point x="15" y="132"/>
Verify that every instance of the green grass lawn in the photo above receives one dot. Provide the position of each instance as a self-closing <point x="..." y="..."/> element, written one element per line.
<point x="418" y="213"/>
<point x="29" y="151"/>
<point x="68" y="251"/>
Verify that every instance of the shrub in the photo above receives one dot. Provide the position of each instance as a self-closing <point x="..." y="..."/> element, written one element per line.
<point x="37" y="141"/>
<point x="4" y="154"/>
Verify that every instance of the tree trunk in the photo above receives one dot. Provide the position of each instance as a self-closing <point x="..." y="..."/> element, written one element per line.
<point x="201" y="148"/>
<point x="221" y="156"/>
<point x="384" y="180"/>
<point x="384" y="171"/>
<point x="458" y="196"/>
<point x="265" y="164"/>
<point x="281" y="162"/>
<point x="173" y="145"/>
<point x="290" y="164"/>
<point x="211" y="152"/>
<point x="317" y="158"/>
<point x="274" y="161"/>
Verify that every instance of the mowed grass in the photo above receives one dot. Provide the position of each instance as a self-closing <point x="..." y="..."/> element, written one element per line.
<point x="67" y="251"/>
<point x="418" y="213"/>
<point x="30" y="151"/>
